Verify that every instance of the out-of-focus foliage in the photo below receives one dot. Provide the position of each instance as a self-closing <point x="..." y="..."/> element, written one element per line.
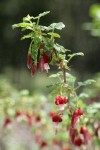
<point x="94" y="25"/>
<point x="31" y="127"/>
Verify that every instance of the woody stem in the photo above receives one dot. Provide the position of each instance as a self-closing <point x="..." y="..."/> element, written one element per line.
<point x="64" y="74"/>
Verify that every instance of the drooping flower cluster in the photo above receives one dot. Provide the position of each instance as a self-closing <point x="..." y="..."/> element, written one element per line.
<point x="79" y="138"/>
<point x="42" y="62"/>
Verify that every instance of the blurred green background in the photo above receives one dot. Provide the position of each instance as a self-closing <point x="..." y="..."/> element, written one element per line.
<point x="13" y="52"/>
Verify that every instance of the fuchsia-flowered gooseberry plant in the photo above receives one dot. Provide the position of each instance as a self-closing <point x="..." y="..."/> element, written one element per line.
<point x="43" y="52"/>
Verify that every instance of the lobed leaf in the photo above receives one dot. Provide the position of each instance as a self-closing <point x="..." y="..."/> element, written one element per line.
<point x="58" y="26"/>
<point x="60" y="48"/>
<point x="43" y="14"/>
<point x="87" y="82"/>
<point x="54" y="34"/>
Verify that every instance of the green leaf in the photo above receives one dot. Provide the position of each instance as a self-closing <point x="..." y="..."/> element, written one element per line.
<point x="74" y="54"/>
<point x="27" y="18"/>
<point x="48" y="44"/>
<point x="83" y="95"/>
<point x="54" y="75"/>
<point x="95" y="10"/>
<point x="58" y="26"/>
<point x="60" y="48"/>
<point x="43" y="14"/>
<point x="96" y="105"/>
<point x="54" y="84"/>
<point x="87" y="82"/>
<point x="80" y="103"/>
<point x="24" y="25"/>
<point x="54" y="34"/>
<point x="30" y="35"/>
<point x="43" y="28"/>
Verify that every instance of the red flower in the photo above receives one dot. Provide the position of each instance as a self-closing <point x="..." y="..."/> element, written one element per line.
<point x="78" y="142"/>
<point x="56" y="119"/>
<point x="80" y="112"/>
<point x="61" y="102"/>
<point x="86" y="136"/>
<point x="52" y="114"/>
<point x="38" y="119"/>
<point x="7" y="122"/>
<point x="29" y="61"/>
<point x="73" y="134"/>
<point x="44" y="63"/>
<point x="76" y="116"/>
<point x="43" y="144"/>
<point x="19" y="113"/>
<point x="33" y="69"/>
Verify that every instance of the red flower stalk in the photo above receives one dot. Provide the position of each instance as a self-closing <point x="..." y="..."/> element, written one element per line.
<point x="73" y="134"/>
<point x="29" y="61"/>
<point x="33" y="69"/>
<point x="75" y="117"/>
<point x="61" y="102"/>
<point x="78" y="142"/>
<point x="86" y="136"/>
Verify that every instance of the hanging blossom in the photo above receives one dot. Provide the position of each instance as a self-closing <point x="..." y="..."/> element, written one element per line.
<point x="73" y="134"/>
<point x="75" y="117"/>
<point x="19" y="115"/>
<point x="43" y="144"/>
<point x="79" y="138"/>
<point x="7" y="122"/>
<point x="44" y="63"/>
<point x="29" y="60"/>
<point x="78" y="142"/>
<point x="33" y="69"/>
<point x="57" y="119"/>
<point x="61" y="101"/>
<point x="74" y="137"/>
<point x="85" y="135"/>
